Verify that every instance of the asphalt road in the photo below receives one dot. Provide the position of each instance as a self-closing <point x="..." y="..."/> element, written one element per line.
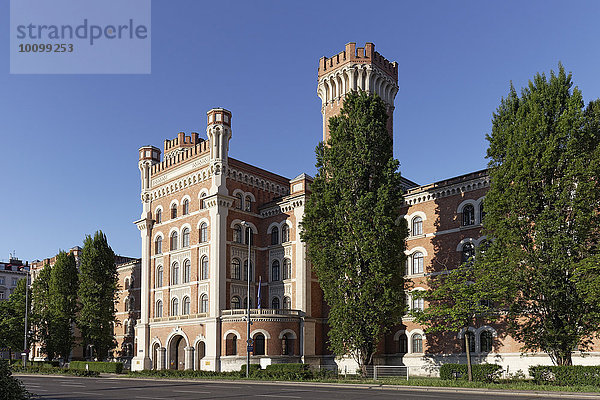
<point x="74" y="388"/>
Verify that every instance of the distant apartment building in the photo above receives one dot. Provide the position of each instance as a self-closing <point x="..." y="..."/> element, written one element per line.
<point x="11" y="273"/>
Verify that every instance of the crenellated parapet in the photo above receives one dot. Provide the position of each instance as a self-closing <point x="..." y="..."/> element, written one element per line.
<point x="355" y="68"/>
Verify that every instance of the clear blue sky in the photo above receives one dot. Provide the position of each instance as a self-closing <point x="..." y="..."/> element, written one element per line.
<point x="69" y="142"/>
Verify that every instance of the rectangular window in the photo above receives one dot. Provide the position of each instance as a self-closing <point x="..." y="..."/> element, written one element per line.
<point x="15" y="280"/>
<point x="1" y="280"/>
<point x="1" y="295"/>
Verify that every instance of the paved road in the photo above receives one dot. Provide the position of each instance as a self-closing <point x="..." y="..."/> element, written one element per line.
<point x="74" y="388"/>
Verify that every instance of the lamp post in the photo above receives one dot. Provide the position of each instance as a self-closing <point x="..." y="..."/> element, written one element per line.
<point x="248" y="232"/>
<point x="26" y="315"/>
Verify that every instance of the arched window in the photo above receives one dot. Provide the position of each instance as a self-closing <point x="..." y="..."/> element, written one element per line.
<point x="186" y="237"/>
<point x="204" y="268"/>
<point x="259" y="344"/>
<point x="174" y="240"/>
<point x="285" y="233"/>
<point x="417" y="343"/>
<point x="158" y="217"/>
<point x="158" y="310"/>
<point x="485" y="340"/>
<point x="235" y="269"/>
<point x="239" y="201"/>
<point x="417" y="303"/>
<point x="203" y="232"/>
<point x="187" y="271"/>
<point x="417" y="226"/>
<point x="468" y="214"/>
<point x="245" y="277"/>
<point x="287" y="345"/>
<point x="175" y="274"/>
<point x="249" y="236"/>
<point x="126" y="283"/>
<point x="175" y="306"/>
<point x="186" y="306"/>
<point x="275" y="303"/>
<point x="202" y="203"/>
<point x="403" y="343"/>
<point x="186" y="207"/>
<point x="158" y="245"/>
<point x="471" y="342"/>
<point x="174" y="211"/>
<point x="159" y="276"/>
<point x="287" y="269"/>
<point x="237" y="234"/>
<point x="248" y="204"/>
<point x="417" y="263"/>
<point x="204" y="303"/>
<point x="236" y="303"/>
<point x="275" y="271"/>
<point x="231" y="345"/>
<point x="126" y="303"/>
<point x="287" y="303"/>
<point x="468" y="252"/>
<point x="481" y="213"/>
<point x="275" y="235"/>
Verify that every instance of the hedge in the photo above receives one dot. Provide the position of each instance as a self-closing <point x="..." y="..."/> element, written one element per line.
<point x="565" y="375"/>
<point x="291" y="371"/>
<point x="254" y="370"/>
<point x="481" y="372"/>
<point x="41" y="364"/>
<point x="99" y="366"/>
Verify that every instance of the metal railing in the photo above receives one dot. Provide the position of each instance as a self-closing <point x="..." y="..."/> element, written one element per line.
<point x="390" y="371"/>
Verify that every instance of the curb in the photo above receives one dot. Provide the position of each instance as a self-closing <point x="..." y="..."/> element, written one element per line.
<point x="428" y="389"/>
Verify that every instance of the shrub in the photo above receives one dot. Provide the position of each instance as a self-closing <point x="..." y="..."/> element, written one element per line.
<point x="99" y="366"/>
<point x="173" y="373"/>
<point x="254" y="370"/>
<point x="41" y="364"/>
<point x="292" y="371"/>
<point x="481" y="372"/>
<point x="565" y="375"/>
<point x="10" y="387"/>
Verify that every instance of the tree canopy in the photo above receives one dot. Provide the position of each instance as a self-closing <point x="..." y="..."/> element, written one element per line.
<point x="542" y="214"/>
<point x="97" y="293"/>
<point x="12" y="318"/>
<point x="354" y="229"/>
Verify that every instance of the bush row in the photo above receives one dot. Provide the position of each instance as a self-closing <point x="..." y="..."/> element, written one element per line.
<point x="565" y="375"/>
<point x="99" y="366"/>
<point x="481" y="372"/>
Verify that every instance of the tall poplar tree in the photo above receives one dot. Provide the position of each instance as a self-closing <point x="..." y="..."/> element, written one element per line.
<point x="542" y="214"/>
<point x="97" y="294"/>
<point x="62" y="293"/>
<point x="354" y="229"/>
<point x="41" y="318"/>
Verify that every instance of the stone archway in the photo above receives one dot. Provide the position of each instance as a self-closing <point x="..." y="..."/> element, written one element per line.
<point x="177" y="352"/>
<point x="200" y="353"/>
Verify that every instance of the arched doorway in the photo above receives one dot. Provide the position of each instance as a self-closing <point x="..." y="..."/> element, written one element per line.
<point x="177" y="352"/>
<point x="155" y="355"/>
<point x="200" y="352"/>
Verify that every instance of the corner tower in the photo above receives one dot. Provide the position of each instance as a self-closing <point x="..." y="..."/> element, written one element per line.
<point x="356" y="68"/>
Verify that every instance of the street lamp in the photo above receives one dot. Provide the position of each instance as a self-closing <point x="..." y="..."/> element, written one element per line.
<point x="248" y="232"/>
<point x="24" y="355"/>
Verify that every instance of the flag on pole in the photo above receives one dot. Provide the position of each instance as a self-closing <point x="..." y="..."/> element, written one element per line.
<point x="258" y="297"/>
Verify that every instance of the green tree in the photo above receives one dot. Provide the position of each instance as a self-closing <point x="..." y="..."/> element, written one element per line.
<point x="97" y="294"/>
<point x="457" y="300"/>
<point x="12" y="318"/>
<point x="10" y="387"/>
<point x="40" y="314"/>
<point x="354" y="229"/>
<point x="542" y="213"/>
<point x="62" y="291"/>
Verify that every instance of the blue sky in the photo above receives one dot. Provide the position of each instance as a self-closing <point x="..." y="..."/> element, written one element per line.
<point x="69" y="159"/>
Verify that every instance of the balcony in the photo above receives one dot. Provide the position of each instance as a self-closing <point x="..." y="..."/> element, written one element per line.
<point x="256" y="312"/>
